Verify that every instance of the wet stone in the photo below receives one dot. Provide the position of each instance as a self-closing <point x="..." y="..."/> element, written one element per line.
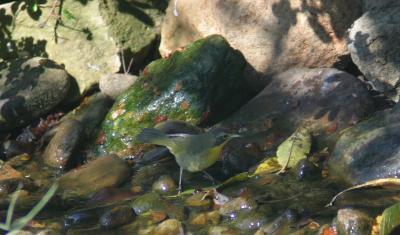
<point x="239" y="204"/>
<point x="164" y="184"/>
<point x="117" y="216"/>
<point x="84" y="217"/>
<point x="205" y="218"/>
<point x="107" y="171"/>
<point x="223" y="230"/>
<point x="239" y="154"/>
<point x="249" y="221"/>
<point x="197" y="201"/>
<point x="169" y="227"/>
<point x="148" y="201"/>
<point x="109" y="195"/>
<point x="306" y="170"/>
<point x="61" y="150"/>
<point x="353" y="222"/>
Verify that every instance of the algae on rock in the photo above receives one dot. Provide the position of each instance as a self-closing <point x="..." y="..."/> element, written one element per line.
<point x="201" y="85"/>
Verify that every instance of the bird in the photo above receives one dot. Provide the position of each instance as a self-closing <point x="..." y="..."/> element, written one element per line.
<point x="192" y="152"/>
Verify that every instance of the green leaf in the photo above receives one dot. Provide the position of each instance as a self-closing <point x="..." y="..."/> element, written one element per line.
<point x="268" y="166"/>
<point x="68" y="15"/>
<point x="390" y="219"/>
<point x="295" y="148"/>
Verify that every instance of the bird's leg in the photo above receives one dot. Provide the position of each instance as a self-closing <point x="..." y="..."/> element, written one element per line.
<point x="210" y="177"/>
<point x="180" y="180"/>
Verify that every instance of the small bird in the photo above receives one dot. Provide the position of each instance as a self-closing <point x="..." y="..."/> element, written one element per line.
<point x="193" y="153"/>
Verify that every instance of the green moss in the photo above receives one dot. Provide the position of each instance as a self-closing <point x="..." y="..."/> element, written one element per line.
<point x="201" y="85"/>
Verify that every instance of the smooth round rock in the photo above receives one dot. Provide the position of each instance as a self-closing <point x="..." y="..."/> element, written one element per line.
<point x="197" y="201"/>
<point x="169" y="227"/>
<point x="374" y="48"/>
<point x="117" y="216"/>
<point x="29" y="89"/>
<point x="232" y="207"/>
<point x="114" y="85"/>
<point x="59" y="153"/>
<point x="353" y="222"/>
<point x="107" y="171"/>
<point x="306" y="170"/>
<point x="164" y="184"/>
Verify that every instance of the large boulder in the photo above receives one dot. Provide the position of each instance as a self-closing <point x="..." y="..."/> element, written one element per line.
<point x="30" y="89"/>
<point x="201" y="85"/>
<point x="324" y="101"/>
<point x="369" y="150"/>
<point x="374" y="47"/>
<point x="87" y="36"/>
<point x="273" y="35"/>
<point x="373" y="4"/>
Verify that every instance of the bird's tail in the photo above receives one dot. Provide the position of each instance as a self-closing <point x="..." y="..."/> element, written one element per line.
<point x="153" y="136"/>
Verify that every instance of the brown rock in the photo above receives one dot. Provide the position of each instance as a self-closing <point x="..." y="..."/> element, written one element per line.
<point x="169" y="227"/>
<point x="273" y="35"/>
<point x="103" y="172"/>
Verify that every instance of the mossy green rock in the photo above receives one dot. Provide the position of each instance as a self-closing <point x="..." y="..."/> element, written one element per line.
<point x="201" y="85"/>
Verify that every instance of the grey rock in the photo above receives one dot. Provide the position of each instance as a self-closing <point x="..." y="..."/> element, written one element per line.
<point x="30" y="89"/>
<point x="250" y="221"/>
<point x="369" y="150"/>
<point x="374" y="4"/>
<point x="323" y="100"/>
<point x="117" y="216"/>
<point x="148" y="201"/>
<point x="373" y="44"/>
<point x="114" y="85"/>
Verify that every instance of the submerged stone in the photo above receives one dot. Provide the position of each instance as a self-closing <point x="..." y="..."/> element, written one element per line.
<point x="353" y="222"/>
<point x="148" y="201"/>
<point x="164" y="184"/>
<point x="103" y="172"/>
<point x="201" y="85"/>
<point x="170" y="226"/>
<point x="117" y="216"/>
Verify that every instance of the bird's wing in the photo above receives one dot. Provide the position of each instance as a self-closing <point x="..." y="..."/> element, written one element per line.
<point x="195" y="144"/>
<point x="154" y="136"/>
